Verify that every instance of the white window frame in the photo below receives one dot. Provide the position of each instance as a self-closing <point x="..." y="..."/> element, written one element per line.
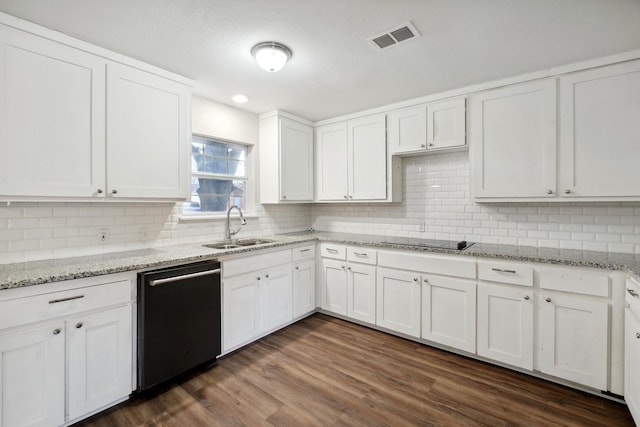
<point x="249" y="179"/>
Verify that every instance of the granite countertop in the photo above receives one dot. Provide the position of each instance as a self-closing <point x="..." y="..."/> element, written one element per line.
<point x="46" y="271"/>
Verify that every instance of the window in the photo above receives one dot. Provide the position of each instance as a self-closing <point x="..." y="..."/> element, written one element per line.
<point x="218" y="176"/>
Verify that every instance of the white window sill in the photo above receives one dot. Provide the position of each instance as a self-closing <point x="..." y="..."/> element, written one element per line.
<point x="206" y="217"/>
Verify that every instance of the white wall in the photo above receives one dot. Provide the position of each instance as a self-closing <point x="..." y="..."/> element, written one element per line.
<point x="34" y="231"/>
<point x="436" y="193"/>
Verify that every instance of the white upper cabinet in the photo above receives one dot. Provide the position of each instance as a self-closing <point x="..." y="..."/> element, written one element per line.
<point x="286" y="160"/>
<point x="513" y="141"/>
<point x="431" y="127"/>
<point x="148" y="128"/>
<point x="352" y="160"/>
<point x="52" y="121"/>
<point x="76" y="125"/>
<point x="600" y="132"/>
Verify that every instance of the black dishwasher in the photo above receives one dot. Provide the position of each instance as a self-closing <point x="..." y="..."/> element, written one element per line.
<point x="178" y="321"/>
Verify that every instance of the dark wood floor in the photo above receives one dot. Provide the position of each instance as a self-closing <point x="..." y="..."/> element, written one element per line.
<point x="324" y="371"/>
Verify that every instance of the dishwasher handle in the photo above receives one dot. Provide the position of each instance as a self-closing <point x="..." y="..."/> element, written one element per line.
<point x="183" y="277"/>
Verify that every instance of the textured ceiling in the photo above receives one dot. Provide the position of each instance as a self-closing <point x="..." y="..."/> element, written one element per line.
<point x="334" y="70"/>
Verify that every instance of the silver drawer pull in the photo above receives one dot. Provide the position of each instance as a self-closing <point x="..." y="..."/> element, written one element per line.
<point x="305" y="250"/>
<point x="638" y="335"/>
<point x="333" y="251"/>
<point x="55" y="301"/>
<point x="183" y="277"/>
<point x="632" y="293"/>
<point x="502" y="270"/>
<point x="362" y="254"/>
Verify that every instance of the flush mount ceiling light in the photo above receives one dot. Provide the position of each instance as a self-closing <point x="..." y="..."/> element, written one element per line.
<point x="240" y="98"/>
<point x="271" y="56"/>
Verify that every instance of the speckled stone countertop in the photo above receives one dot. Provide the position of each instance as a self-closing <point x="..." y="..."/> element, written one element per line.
<point x="41" y="272"/>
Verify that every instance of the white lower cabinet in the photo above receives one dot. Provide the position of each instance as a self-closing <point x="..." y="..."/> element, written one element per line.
<point x="632" y="358"/>
<point x="256" y="302"/>
<point x="449" y="311"/>
<point x="505" y="324"/>
<point x="333" y="281"/>
<point x="32" y="374"/>
<point x="398" y="301"/>
<point x="75" y="359"/>
<point x="304" y="288"/>
<point x="361" y="292"/>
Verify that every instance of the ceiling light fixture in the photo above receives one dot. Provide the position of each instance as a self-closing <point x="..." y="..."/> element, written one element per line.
<point x="240" y="98"/>
<point x="271" y="56"/>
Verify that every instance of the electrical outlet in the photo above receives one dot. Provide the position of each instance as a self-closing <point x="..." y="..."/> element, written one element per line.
<point x="104" y="235"/>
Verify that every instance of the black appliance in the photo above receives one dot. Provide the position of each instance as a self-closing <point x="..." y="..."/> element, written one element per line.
<point x="178" y="321"/>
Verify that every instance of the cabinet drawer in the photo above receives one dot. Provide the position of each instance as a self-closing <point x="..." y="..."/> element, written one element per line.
<point x="255" y="262"/>
<point x="632" y="295"/>
<point x="576" y="280"/>
<point x="22" y="311"/>
<point x="304" y="253"/>
<point x="362" y="255"/>
<point x="514" y="273"/>
<point x="333" y="251"/>
<point x="447" y="265"/>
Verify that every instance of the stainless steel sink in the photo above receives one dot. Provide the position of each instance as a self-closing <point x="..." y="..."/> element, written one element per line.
<point x="242" y="243"/>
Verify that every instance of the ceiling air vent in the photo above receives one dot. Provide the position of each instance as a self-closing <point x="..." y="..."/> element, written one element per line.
<point x="394" y="36"/>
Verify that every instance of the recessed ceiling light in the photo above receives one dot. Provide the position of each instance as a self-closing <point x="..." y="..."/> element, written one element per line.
<point x="271" y="56"/>
<point x="240" y="98"/>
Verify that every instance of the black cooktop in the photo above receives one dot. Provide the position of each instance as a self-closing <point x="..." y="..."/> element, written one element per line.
<point x="430" y="243"/>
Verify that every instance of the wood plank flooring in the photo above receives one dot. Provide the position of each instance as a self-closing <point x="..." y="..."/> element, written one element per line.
<point x="323" y="371"/>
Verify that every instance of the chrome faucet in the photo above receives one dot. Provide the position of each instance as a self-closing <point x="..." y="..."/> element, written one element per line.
<point x="231" y="232"/>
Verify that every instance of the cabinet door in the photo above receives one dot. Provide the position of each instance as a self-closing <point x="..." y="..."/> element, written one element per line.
<point x="361" y="292"/>
<point x="449" y="311"/>
<point x="398" y="301"/>
<point x="100" y="355"/>
<point x="446" y="127"/>
<point x="304" y="288"/>
<point x="32" y="377"/>
<point x="573" y="335"/>
<point x="599" y="129"/>
<point x="52" y="122"/>
<point x="241" y="310"/>
<point x="505" y="324"/>
<point x="333" y="286"/>
<point x="278" y="294"/>
<point x="368" y="158"/>
<point x="296" y="161"/>
<point x="148" y="135"/>
<point x="631" y="369"/>
<point x="332" y="173"/>
<point x="513" y="141"/>
<point x="408" y="129"/>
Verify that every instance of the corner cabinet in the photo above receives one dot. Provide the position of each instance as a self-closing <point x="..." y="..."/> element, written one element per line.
<point x="428" y="127"/>
<point x="352" y="160"/>
<point x="77" y="125"/>
<point x="286" y="159"/>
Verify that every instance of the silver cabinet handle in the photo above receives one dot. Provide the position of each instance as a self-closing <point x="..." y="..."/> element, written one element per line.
<point x="346" y="197"/>
<point x="349" y="268"/>
<point x="422" y="145"/>
<point x="258" y="278"/>
<point x="183" y="277"/>
<point x="114" y="191"/>
<point x="431" y="144"/>
<point x="426" y="281"/>
<point x="415" y="279"/>
<point x="266" y="275"/>
<point x="343" y="267"/>
<point x="55" y="301"/>
<point x="305" y="250"/>
<point x="79" y="325"/>
<point x="57" y="331"/>
<point x="297" y="268"/>
<point x="99" y="191"/>
<point x="547" y="299"/>
<point x="361" y="254"/>
<point x="567" y="191"/>
<point x="638" y="335"/>
<point x="549" y="192"/>
<point x="526" y="297"/>
<point x="284" y="197"/>
<point x="501" y="270"/>
<point x="632" y="293"/>
<point x="331" y="250"/>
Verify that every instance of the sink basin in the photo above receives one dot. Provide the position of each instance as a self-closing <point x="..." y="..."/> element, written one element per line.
<point x="242" y="243"/>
